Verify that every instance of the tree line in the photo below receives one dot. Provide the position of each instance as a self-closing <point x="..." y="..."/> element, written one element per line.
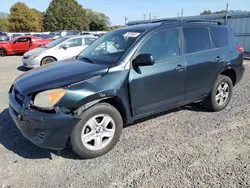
<point x="209" y="12"/>
<point x="60" y="15"/>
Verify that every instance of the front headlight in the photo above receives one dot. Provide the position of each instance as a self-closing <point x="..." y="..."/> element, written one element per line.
<point x="34" y="56"/>
<point x="47" y="99"/>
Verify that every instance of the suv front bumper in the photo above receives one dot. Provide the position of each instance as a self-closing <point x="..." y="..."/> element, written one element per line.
<point x="47" y="130"/>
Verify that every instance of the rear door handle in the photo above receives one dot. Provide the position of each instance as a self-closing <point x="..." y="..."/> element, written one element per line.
<point x="218" y="58"/>
<point x="179" y="68"/>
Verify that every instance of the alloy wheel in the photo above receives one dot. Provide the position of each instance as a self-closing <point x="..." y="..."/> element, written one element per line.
<point x="98" y="132"/>
<point x="222" y="94"/>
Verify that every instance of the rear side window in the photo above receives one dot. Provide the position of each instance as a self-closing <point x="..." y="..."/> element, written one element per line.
<point x="220" y="36"/>
<point x="197" y="39"/>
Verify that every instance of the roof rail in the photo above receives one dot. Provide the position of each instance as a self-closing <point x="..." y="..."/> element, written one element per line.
<point x="209" y="21"/>
<point x="167" y="21"/>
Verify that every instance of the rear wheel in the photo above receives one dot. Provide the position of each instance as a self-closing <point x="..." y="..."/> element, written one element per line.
<point x="98" y="131"/>
<point x="47" y="60"/>
<point x="3" y="52"/>
<point x="221" y="94"/>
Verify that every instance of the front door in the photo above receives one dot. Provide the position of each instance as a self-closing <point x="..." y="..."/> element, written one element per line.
<point x="21" y="45"/>
<point x="162" y="85"/>
<point x="70" y="48"/>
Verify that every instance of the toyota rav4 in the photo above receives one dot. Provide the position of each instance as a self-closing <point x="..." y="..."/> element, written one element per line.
<point x="86" y="101"/>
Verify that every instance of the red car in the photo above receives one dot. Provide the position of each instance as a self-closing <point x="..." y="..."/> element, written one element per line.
<point x="21" y="44"/>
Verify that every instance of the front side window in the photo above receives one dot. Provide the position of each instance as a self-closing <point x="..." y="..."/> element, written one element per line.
<point x="162" y="44"/>
<point x="196" y="39"/>
<point x="73" y="43"/>
<point x="111" y="47"/>
<point x="23" y="39"/>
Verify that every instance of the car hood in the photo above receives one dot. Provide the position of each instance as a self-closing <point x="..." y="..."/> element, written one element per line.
<point x="35" y="51"/>
<point x="58" y="74"/>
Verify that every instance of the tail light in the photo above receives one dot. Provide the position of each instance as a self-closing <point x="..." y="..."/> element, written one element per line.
<point x="240" y="48"/>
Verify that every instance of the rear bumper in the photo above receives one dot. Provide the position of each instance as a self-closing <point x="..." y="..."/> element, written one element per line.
<point x="43" y="129"/>
<point x="239" y="74"/>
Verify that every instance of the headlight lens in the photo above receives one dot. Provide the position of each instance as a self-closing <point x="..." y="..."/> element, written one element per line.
<point x="34" y="56"/>
<point x="47" y="99"/>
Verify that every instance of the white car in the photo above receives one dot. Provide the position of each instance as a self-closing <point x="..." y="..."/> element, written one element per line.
<point x="63" y="48"/>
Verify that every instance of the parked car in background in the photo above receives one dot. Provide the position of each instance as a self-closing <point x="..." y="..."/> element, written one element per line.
<point x="88" y="100"/>
<point x="22" y="44"/>
<point x="3" y="36"/>
<point x="59" y="34"/>
<point x="60" y="49"/>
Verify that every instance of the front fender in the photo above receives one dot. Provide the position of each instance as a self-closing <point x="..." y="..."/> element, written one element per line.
<point x="89" y="92"/>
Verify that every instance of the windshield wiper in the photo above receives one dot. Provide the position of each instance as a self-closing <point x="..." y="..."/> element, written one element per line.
<point x="90" y="60"/>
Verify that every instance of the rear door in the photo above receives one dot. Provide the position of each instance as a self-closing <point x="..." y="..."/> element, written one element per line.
<point x="204" y="61"/>
<point x="21" y="45"/>
<point x="162" y="85"/>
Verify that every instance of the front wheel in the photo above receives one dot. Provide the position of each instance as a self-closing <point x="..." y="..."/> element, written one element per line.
<point x="2" y="52"/>
<point x="47" y="60"/>
<point x="221" y="94"/>
<point x="97" y="132"/>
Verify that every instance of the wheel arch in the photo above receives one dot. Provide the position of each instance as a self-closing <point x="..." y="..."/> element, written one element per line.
<point x="114" y="101"/>
<point x="231" y="73"/>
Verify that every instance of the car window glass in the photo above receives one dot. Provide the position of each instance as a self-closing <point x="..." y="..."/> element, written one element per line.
<point x="22" y="39"/>
<point x="220" y="36"/>
<point x="162" y="44"/>
<point x="89" y="41"/>
<point x="73" y="42"/>
<point x="196" y="39"/>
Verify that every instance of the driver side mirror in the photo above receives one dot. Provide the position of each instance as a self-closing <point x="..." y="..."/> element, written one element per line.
<point x="65" y="47"/>
<point x="15" y="42"/>
<point x="144" y="60"/>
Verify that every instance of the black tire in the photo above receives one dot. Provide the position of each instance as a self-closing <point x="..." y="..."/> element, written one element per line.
<point x="3" y="52"/>
<point x="211" y="103"/>
<point x="47" y="60"/>
<point x="75" y="137"/>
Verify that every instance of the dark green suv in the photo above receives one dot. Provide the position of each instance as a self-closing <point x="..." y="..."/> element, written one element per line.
<point x="125" y="75"/>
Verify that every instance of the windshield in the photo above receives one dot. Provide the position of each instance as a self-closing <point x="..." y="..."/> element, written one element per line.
<point x="55" y="42"/>
<point x="111" y="47"/>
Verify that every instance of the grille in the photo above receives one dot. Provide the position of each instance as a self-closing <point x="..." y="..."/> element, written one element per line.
<point x="18" y="96"/>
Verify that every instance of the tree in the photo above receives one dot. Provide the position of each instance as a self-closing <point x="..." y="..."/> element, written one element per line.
<point x="206" y="12"/>
<point x="115" y="27"/>
<point x="98" y="21"/>
<point x="65" y="15"/>
<point x="24" y="19"/>
<point x="3" y="21"/>
<point x="37" y="19"/>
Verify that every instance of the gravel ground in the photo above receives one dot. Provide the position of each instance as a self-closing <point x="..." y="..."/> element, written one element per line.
<point x="185" y="147"/>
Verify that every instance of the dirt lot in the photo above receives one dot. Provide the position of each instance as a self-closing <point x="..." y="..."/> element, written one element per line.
<point x="185" y="147"/>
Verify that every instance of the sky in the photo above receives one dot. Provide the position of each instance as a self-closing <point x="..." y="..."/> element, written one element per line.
<point x="135" y="9"/>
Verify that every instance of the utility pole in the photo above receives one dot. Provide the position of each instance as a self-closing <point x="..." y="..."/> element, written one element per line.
<point x="126" y="20"/>
<point x="226" y="17"/>
<point x="149" y="16"/>
<point x="144" y="15"/>
<point x="182" y="13"/>
<point x="178" y="14"/>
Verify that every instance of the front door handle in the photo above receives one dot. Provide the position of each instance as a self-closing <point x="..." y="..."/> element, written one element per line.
<point x="218" y="58"/>
<point x="179" y="68"/>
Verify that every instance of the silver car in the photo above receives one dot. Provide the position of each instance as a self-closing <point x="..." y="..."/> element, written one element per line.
<point x="63" y="48"/>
